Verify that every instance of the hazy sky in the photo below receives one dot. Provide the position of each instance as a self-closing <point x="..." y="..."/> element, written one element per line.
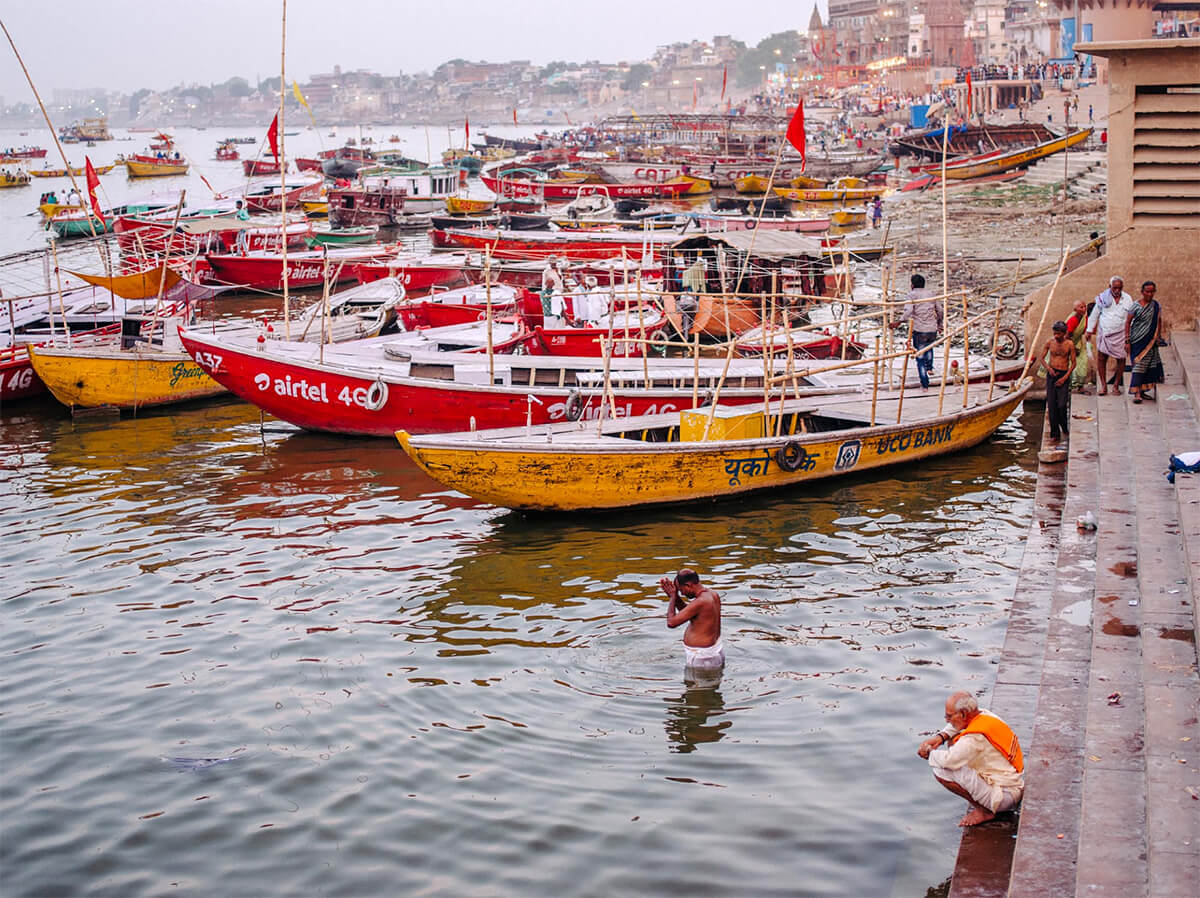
<point x="129" y="44"/>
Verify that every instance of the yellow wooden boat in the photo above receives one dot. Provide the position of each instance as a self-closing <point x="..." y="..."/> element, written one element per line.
<point x="108" y="375"/>
<point x="1014" y="159"/>
<point x="49" y="210"/>
<point x="843" y="218"/>
<point x="315" y="208"/>
<point x="689" y="456"/>
<point x="137" y="169"/>
<point x="699" y="186"/>
<point x="14" y="179"/>
<point x="830" y="194"/>
<point x="466" y="205"/>
<point x="62" y="172"/>
<point x="751" y="184"/>
<point x="803" y="182"/>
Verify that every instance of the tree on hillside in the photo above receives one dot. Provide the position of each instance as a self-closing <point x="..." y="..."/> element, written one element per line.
<point x="636" y="75"/>
<point x="753" y="64"/>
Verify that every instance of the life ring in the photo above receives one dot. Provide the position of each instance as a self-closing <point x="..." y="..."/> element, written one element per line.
<point x="575" y="403"/>
<point x="377" y="395"/>
<point x="751" y="224"/>
<point x="657" y="340"/>
<point x="788" y="455"/>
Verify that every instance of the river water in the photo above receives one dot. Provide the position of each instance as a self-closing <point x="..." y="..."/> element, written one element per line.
<point x="241" y="660"/>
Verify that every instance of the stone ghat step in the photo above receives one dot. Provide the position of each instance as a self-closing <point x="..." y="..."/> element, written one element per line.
<point x="1099" y="671"/>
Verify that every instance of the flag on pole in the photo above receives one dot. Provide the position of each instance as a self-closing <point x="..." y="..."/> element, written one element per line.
<point x="969" y="92"/>
<point x="467" y="128"/>
<point x="724" y="80"/>
<point x="795" y="132"/>
<point x="514" y="115"/>
<point x="209" y="186"/>
<point x="568" y="115"/>
<point x="694" y="96"/>
<point x="93" y="181"/>
<point x="299" y="96"/>
<point x="273" y="136"/>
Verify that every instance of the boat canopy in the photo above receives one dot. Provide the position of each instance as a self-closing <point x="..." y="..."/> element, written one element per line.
<point x="773" y="245"/>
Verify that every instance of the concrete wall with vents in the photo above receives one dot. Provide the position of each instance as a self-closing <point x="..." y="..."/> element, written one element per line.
<point x="1153" y="222"/>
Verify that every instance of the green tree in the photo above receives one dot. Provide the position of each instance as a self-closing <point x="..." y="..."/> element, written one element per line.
<point x="636" y="75"/>
<point x="238" y="87"/>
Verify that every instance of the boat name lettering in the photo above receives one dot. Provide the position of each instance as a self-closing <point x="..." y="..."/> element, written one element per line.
<point x="304" y="271"/>
<point x="20" y="379"/>
<point x="185" y="371"/>
<point x="311" y="392"/>
<point x="916" y="439"/>
<point x="209" y="361"/>
<point x="651" y="174"/>
<point x="756" y="466"/>
<point x="847" y="455"/>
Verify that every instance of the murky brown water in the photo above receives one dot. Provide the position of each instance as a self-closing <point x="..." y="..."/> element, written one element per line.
<point x="238" y="661"/>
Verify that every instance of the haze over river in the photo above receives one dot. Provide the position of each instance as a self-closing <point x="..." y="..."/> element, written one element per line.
<point x="246" y="661"/>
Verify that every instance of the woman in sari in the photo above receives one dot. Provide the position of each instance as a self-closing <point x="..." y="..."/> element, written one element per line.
<point x="1077" y="331"/>
<point x="1142" y="329"/>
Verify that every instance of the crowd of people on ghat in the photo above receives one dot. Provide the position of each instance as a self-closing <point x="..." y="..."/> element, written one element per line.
<point x="1093" y="348"/>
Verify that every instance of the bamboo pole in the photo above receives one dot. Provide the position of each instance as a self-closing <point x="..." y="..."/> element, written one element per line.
<point x="1042" y="321"/>
<point x="287" y="308"/>
<point x="904" y="374"/>
<point x="945" y="262"/>
<point x="58" y="278"/>
<point x="324" y="307"/>
<point x="875" y="381"/>
<point x="768" y="349"/>
<point x="162" y="275"/>
<point x="995" y="333"/>
<point x="487" y="286"/>
<point x="696" y="370"/>
<point x="966" y="341"/>
<point x="642" y="330"/>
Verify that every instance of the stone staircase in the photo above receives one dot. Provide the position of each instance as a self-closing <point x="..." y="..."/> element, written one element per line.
<point x="1099" y="671"/>
<point x="1086" y="173"/>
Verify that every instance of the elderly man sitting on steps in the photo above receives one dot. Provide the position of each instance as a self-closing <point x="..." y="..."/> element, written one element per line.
<point x="976" y="755"/>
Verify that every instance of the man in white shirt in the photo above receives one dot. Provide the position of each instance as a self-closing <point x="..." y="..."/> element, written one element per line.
<point x="976" y="756"/>
<point x="1106" y="327"/>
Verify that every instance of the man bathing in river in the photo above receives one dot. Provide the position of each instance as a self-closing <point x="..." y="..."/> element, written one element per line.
<point x="701" y="611"/>
<point x="1058" y="355"/>
<point x="977" y="756"/>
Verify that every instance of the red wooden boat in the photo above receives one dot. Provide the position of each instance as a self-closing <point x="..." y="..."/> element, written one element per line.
<point x="542" y="244"/>
<point x="25" y="153"/>
<point x="304" y="164"/>
<point x="567" y="190"/>
<point x="264" y="270"/>
<point x="256" y="167"/>
<point x="137" y="236"/>
<point x="18" y="380"/>
<point x="418" y="274"/>
<point x="266" y="196"/>
<point x="227" y="152"/>
<point x="359" y="389"/>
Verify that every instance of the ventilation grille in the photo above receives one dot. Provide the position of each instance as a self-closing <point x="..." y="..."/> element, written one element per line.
<point x="1166" y="156"/>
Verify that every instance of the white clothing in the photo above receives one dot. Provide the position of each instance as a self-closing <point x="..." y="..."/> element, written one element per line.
<point x="994" y="798"/>
<point x="973" y="750"/>
<point x="1109" y="314"/>
<point x="707" y="656"/>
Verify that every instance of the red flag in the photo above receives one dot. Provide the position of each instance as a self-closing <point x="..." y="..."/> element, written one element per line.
<point x="568" y="115"/>
<point x="209" y="186"/>
<point x="467" y="128"/>
<point x="514" y="116"/>
<point x="724" y="80"/>
<point x="968" y="93"/>
<point x="795" y="132"/>
<point x="93" y="181"/>
<point x="694" y="97"/>
<point x="273" y="136"/>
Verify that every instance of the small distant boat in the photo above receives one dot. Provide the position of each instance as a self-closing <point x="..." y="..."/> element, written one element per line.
<point x="257" y="167"/>
<point x="844" y="218"/>
<point x="326" y="236"/>
<point x="395" y="138"/>
<point x="468" y="205"/>
<point x="62" y="172"/>
<point x="227" y="152"/>
<point x="14" y="179"/>
<point x="751" y="184"/>
<point x="144" y="166"/>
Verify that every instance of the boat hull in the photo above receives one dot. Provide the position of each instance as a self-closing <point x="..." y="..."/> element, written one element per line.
<point x="125" y="379"/>
<point x="18" y="380"/>
<point x="604" y="475"/>
<point x="135" y="169"/>
<point x="335" y="399"/>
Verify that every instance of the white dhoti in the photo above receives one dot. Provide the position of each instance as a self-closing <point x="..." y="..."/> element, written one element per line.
<point x="1112" y="344"/>
<point x="704" y="657"/>
<point x="994" y="798"/>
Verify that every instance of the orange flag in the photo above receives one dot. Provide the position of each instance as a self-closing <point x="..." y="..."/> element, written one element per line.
<point x="795" y="132"/>
<point x="694" y="97"/>
<point x="93" y="181"/>
<point x="514" y="116"/>
<point x="724" y="80"/>
<point x="273" y="136"/>
<point x="969" y="91"/>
